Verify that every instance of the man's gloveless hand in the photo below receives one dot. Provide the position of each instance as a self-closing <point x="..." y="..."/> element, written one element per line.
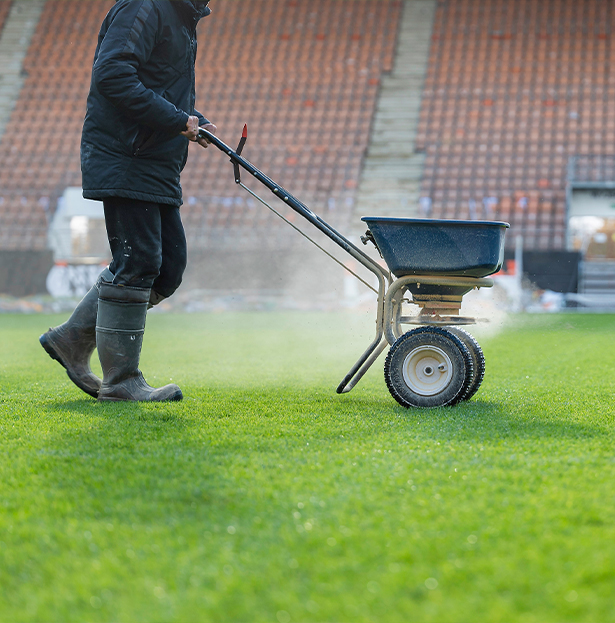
<point x="192" y="131"/>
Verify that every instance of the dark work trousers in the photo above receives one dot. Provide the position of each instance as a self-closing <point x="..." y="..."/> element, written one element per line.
<point x="148" y="244"/>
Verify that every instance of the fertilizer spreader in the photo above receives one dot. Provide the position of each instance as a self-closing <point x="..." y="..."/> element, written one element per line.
<point x="431" y="263"/>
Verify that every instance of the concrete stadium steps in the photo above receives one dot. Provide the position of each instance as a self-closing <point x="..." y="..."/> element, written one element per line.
<point x="19" y="27"/>
<point x="391" y="176"/>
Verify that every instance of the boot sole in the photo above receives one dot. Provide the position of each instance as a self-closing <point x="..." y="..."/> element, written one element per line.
<point x="177" y="396"/>
<point x="53" y="353"/>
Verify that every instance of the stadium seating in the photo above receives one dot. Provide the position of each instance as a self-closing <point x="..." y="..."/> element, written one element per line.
<point x="303" y="75"/>
<point x="514" y="88"/>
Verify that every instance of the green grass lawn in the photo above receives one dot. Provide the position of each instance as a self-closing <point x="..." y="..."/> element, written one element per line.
<point x="264" y="496"/>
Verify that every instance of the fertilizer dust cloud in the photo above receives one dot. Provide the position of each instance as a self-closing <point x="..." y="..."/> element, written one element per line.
<point x="283" y="270"/>
<point x="489" y="307"/>
<point x="264" y="265"/>
<point x="268" y="265"/>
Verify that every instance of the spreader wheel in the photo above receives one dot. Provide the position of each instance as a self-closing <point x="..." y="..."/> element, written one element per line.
<point x="478" y="360"/>
<point x="428" y="367"/>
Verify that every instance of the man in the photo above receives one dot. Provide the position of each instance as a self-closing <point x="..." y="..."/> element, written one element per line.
<point x="139" y="121"/>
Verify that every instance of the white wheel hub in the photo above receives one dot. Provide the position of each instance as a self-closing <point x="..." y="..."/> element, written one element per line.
<point x="427" y="370"/>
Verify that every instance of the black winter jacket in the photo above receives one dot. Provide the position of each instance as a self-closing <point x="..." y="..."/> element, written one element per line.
<point x="141" y="94"/>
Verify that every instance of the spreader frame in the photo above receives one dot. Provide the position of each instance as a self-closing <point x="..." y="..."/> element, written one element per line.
<point x="390" y="292"/>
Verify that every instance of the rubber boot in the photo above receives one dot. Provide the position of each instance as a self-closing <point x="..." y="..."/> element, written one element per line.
<point x="119" y="337"/>
<point x="72" y="343"/>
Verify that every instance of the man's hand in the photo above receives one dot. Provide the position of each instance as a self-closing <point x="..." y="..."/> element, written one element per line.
<point x="192" y="128"/>
<point x="211" y="128"/>
<point x="192" y="131"/>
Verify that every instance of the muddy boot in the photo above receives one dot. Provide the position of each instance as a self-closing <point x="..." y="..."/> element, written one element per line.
<point x="72" y="343"/>
<point x="119" y="336"/>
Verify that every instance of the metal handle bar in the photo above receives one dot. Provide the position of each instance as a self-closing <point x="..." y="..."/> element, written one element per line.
<point x="297" y="206"/>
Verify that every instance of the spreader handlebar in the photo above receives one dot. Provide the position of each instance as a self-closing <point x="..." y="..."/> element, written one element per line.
<point x="293" y="202"/>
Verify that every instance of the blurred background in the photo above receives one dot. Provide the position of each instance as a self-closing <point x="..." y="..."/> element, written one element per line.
<point x="461" y="109"/>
